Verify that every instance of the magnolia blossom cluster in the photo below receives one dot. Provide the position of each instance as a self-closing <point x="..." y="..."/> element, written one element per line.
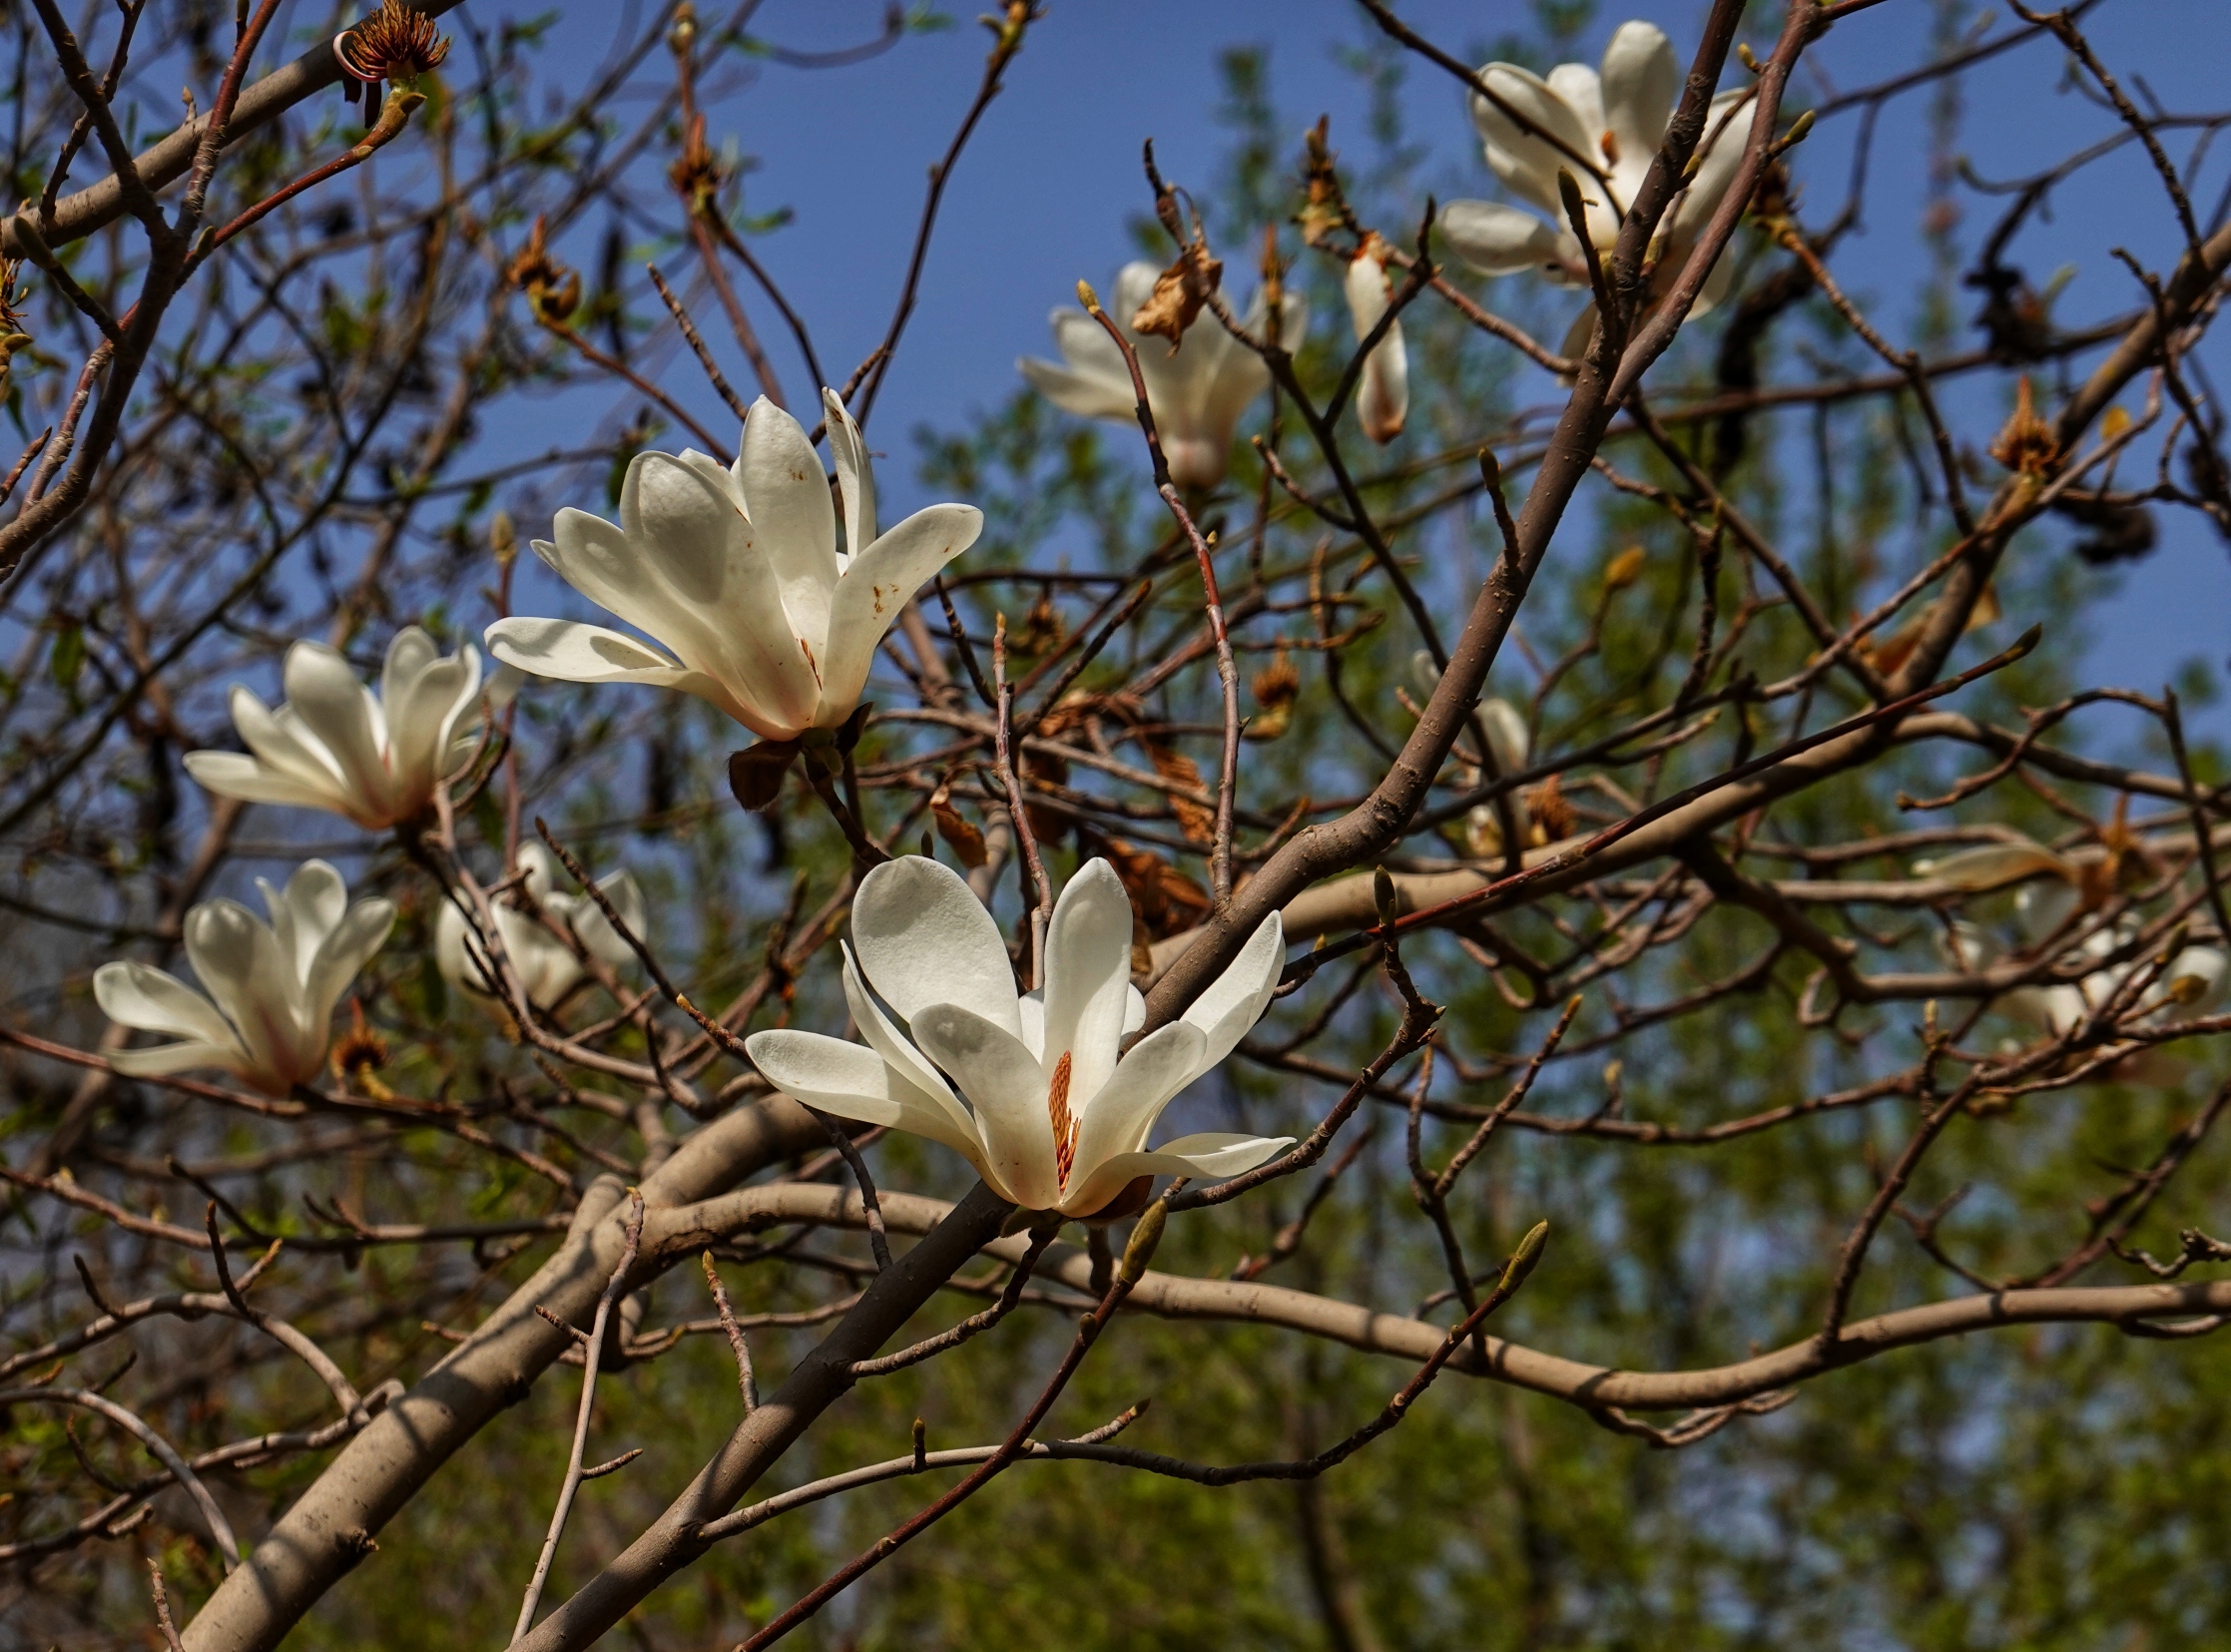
<point x="2048" y="908"/>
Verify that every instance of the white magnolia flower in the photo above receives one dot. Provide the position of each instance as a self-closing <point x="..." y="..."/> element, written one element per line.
<point x="273" y="986"/>
<point x="1196" y="394"/>
<point x="2042" y="911"/>
<point x="1056" y="1113"/>
<point x="736" y="574"/>
<point x="1383" y="391"/>
<point x="547" y="966"/>
<point x="335" y="743"/>
<point x="1617" y="119"/>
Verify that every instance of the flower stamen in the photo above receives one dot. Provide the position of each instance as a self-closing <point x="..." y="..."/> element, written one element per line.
<point x="1064" y="1126"/>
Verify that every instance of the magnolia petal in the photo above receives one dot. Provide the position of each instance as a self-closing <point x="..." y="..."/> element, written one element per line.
<point x="233" y="775"/>
<point x="594" y="558"/>
<point x="1088" y="977"/>
<point x="876" y="586"/>
<point x="1718" y="282"/>
<point x="305" y="912"/>
<point x="595" y="929"/>
<point x="282" y="744"/>
<point x="346" y="951"/>
<point x="1529" y="165"/>
<point x="323" y="690"/>
<point x="1293" y="322"/>
<point x="1497" y="239"/>
<point x="1134" y="1012"/>
<point x="1506" y="735"/>
<point x="1086" y="394"/>
<point x="1575" y="343"/>
<point x="460" y="965"/>
<point x="573" y="651"/>
<point x="1583" y="93"/>
<point x="1007" y="1088"/>
<point x="1383" y="391"/>
<point x="852" y="1083"/>
<point x="791" y="524"/>
<point x="1727" y="128"/>
<point x="1641" y="83"/>
<point x="923" y="938"/>
<point x="162" y="1060"/>
<point x="1033" y="1008"/>
<point x="134" y="994"/>
<point x="722" y="606"/>
<point x="241" y="967"/>
<point x="409" y="652"/>
<point x="890" y="1044"/>
<point x="855" y="475"/>
<point x="1236" y="999"/>
<point x="420" y="720"/>
<point x="1152" y="1071"/>
<point x="1210" y="1156"/>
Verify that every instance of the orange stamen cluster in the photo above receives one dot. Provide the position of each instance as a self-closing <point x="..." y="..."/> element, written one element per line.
<point x="1064" y="1127"/>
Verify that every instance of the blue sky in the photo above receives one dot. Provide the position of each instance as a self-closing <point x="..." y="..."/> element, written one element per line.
<point x="1043" y="195"/>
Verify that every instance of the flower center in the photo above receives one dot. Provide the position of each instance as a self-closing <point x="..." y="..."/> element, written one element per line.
<point x="1064" y="1127"/>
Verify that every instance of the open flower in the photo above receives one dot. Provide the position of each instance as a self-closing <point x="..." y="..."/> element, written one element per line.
<point x="735" y="573"/>
<point x="1616" y="119"/>
<point x="547" y="965"/>
<point x="270" y="988"/>
<point x="1196" y="392"/>
<point x="335" y="743"/>
<point x="1056" y="1113"/>
<point x="2042" y="910"/>
<point x="1382" y="389"/>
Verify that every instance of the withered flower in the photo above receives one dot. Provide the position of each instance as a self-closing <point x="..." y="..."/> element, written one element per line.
<point x="2026" y="446"/>
<point x="553" y="289"/>
<point x="1327" y="210"/>
<point x="396" y="43"/>
<point x="360" y="1049"/>
<point x="696" y="173"/>
<point x="12" y="299"/>
<point x="1549" y="811"/>
<point x="1276" y="687"/>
